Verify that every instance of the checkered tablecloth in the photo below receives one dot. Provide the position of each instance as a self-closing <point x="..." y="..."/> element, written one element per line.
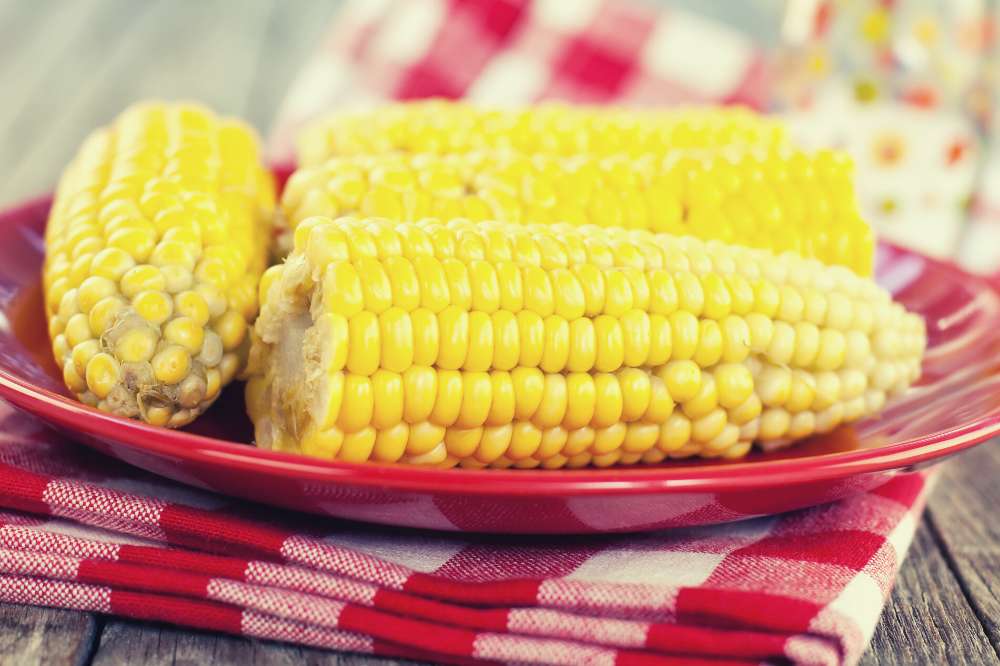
<point x="83" y="532"/>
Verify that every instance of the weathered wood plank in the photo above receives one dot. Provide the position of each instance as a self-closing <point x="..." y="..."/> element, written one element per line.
<point x="963" y="515"/>
<point x="199" y="50"/>
<point x="83" y="62"/>
<point x="18" y="21"/>
<point x="210" y="55"/>
<point x="54" y="121"/>
<point x="38" y="42"/>
<point x="57" y="66"/>
<point x="125" y="642"/>
<point x="31" y="635"/>
<point x="928" y="620"/>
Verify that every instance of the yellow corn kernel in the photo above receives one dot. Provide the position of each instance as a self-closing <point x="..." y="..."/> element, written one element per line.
<point x="191" y="305"/>
<point x="171" y="365"/>
<point x="142" y="278"/>
<point x="102" y="374"/>
<point x="78" y="329"/>
<point x="153" y="306"/>
<point x="185" y="332"/>
<point x="213" y="382"/>
<point x="82" y="354"/>
<point x="325" y="444"/>
<point x="74" y="381"/>
<point x="92" y="290"/>
<point x="136" y="345"/>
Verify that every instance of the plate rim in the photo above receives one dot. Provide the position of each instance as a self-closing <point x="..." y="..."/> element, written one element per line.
<point x="190" y="447"/>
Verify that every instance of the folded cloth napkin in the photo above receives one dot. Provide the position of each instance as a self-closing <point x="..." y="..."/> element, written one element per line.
<point x="80" y="531"/>
<point x="83" y="532"/>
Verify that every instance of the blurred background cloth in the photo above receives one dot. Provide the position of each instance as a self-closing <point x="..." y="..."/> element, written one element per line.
<point x="906" y="87"/>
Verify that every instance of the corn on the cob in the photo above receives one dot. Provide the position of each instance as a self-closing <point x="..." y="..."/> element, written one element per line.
<point x="439" y="126"/>
<point x="501" y="345"/>
<point x="780" y="200"/>
<point x="155" y="244"/>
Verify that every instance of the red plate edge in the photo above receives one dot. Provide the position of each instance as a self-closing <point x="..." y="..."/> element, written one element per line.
<point x="76" y="416"/>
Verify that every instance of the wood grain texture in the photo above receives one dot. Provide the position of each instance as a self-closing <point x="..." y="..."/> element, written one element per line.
<point x="57" y="105"/>
<point x="290" y="38"/>
<point x="238" y="59"/>
<point x="123" y="59"/>
<point x="928" y="619"/>
<point x="151" y="644"/>
<point x="31" y="635"/>
<point x="963" y="515"/>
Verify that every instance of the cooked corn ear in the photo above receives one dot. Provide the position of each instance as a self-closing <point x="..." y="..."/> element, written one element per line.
<point x="778" y="199"/>
<point x="155" y="244"/>
<point x="439" y="126"/>
<point x="495" y="344"/>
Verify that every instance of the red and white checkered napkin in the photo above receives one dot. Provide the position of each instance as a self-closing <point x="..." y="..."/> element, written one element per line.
<point x="84" y="532"/>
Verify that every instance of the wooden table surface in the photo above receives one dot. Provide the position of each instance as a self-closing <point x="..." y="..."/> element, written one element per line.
<point x="68" y="66"/>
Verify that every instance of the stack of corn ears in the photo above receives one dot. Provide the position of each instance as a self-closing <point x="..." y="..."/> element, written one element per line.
<point x="548" y="287"/>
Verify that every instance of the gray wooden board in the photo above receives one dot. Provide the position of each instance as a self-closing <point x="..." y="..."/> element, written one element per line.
<point x="160" y="645"/>
<point x="928" y="620"/>
<point x="30" y="635"/>
<point x="70" y="65"/>
<point x="963" y="514"/>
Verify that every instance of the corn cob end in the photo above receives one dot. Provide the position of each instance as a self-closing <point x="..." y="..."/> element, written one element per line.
<point x="155" y="242"/>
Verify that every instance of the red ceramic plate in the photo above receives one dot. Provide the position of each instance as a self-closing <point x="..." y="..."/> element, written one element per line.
<point x="956" y="405"/>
